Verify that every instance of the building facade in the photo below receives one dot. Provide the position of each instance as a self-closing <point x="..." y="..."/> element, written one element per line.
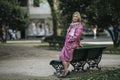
<point x="40" y="19"/>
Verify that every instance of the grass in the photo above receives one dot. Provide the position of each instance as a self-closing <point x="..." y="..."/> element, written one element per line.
<point x="113" y="74"/>
<point x="111" y="50"/>
<point x="108" y="75"/>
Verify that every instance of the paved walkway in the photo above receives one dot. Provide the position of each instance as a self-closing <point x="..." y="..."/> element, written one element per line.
<point x="30" y="61"/>
<point x="37" y="67"/>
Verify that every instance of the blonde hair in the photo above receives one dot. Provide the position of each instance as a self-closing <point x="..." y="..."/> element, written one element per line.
<point x="78" y="14"/>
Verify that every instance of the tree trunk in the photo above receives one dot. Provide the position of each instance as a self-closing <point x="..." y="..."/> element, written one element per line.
<point x="55" y="15"/>
<point x="4" y="34"/>
<point x="115" y="37"/>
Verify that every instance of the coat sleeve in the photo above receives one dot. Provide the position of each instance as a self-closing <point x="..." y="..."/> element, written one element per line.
<point x="77" y="34"/>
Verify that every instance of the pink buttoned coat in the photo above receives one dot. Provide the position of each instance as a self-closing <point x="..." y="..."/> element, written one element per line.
<point x="72" y="41"/>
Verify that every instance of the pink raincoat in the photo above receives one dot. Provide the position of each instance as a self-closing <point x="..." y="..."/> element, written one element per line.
<point x="72" y="41"/>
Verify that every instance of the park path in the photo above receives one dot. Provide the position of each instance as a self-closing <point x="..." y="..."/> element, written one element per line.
<point x="27" y="60"/>
<point x="36" y="67"/>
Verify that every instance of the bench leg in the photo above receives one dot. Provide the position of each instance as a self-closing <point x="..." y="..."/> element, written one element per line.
<point x="52" y="45"/>
<point x="60" y="46"/>
<point x="99" y="68"/>
<point x="93" y="64"/>
<point x="58" y="67"/>
<point x="78" y="66"/>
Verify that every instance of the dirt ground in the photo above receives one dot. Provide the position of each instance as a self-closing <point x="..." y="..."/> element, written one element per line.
<point x="31" y="62"/>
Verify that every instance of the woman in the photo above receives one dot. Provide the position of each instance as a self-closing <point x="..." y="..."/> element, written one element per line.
<point x="72" y="41"/>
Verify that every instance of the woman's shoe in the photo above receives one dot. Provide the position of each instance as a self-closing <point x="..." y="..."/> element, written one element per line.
<point x="65" y="75"/>
<point x="61" y="75"/>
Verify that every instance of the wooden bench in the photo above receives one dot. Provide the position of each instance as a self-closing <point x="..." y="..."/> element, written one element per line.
<point x="55" y="41"/>
<point x="82" y="55"/>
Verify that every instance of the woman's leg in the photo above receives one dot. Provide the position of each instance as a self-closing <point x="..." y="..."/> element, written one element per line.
<point x="66" y="66"/>
<point x="67" y="63"/>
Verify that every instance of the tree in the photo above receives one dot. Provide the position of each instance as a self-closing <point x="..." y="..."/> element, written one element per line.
<point x="109" y="15"/>
<point x="68" y="7"/>
<point x="99" y="12"/>
<point x="55" y="15"/>
<point x="12" y="15"/>
<point x="36" y="3"/>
